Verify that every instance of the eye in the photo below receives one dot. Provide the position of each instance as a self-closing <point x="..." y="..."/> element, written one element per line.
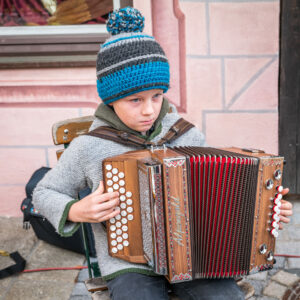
<point x="135" y="100"/>
<point x="156" y="96"/>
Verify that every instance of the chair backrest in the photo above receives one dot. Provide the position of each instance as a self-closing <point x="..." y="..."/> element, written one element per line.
<point x="65" y="131"/>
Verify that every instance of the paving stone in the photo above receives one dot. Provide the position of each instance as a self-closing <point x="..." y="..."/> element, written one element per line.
<point x="258" y="276"/>
<point x="79" y="290"/>
<point x="293" y="263"/>
<point x="86" y="297"/>
<point x="275" y="290"/>
<point x="101" y="295"/>
<point x="285" y="278"/>
<point x="83" y="275"/>
<point x="47" y="256"/>
<point x="257" y="285"/>
<point x="37" y="290"/>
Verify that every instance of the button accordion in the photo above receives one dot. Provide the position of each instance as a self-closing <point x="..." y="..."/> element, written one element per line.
<point x="195" y="212"/>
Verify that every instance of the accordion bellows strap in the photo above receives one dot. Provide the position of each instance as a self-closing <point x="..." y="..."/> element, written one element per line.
<point x="194" y="212"/>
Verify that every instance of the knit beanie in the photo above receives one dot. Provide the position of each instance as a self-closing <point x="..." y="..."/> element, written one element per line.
<point x="129" y="61"/>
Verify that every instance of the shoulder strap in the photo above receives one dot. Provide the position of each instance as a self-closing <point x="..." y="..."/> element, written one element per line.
<point x="122" y="137"/>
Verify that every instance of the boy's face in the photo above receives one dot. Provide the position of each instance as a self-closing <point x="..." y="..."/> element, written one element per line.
<point x="139" y="111"/>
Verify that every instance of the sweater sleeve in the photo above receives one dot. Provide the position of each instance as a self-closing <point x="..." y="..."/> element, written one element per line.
<point x="58" y="190"/>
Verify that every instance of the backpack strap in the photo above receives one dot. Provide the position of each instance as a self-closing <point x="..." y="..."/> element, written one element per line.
<point x="178" y="129"/>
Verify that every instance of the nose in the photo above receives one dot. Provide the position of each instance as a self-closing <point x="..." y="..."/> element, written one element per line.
<point x="147" y="108"/>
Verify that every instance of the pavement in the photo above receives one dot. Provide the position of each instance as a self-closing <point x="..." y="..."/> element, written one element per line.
<point x="282" y="282"/>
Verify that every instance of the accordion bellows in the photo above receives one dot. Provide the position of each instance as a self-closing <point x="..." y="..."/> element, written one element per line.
<point x="193" y="212"/>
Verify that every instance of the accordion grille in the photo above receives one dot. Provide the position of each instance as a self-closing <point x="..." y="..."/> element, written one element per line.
<point x="223" y="192"/>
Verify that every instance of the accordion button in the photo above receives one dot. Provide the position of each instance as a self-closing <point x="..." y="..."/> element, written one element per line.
<point x="270" y="256"/>
<point x="122" y="182"/>
<point x="116" y="186"/>
<point x="126" y="243"/>
<point x="121" y="190"/>
<point x="274" y="232"/>
<point x="130" y="217"/>
<point x="113" y="243"/>
<point x="115" y="171"/>
<point x="129" y="201"/>
<point x="123" y="213"/>
<point x="275" y="217"/>
<point x="279" y="188"/>
<point x="120" y="247"/>
<point x="278" y="196"/>
<point x="121" y="175"/>
<point x="115" y="178"/>
<point x="118" y="217"/>
<point x="124" y="228"/>
<point x="122" y="198"/>
<point x="263" y="248"/>
<point x="123" y="205"/>
<point x="114" y="250"/>
<point x="113" y="235"/>
<point x="279" y="204"/>
<point x="112" y="220"/>
<point x="128" y="194"/>
<point x="269" y="184"/>
<point x="109" y="175"/>
<point x="119" y="231"/>
<point x="119" y="239"/>
<point x="109" y="182"/>
<point x="276" y="209"/>
<point x="118" y="224"/>
<point x="130" y="209"/>
<point x="125" y="236"/>
<point x="108" y="167"/>
<point x="275" y="224"/>
<point x="277" y="174"/>
<point x="124" y="221"/>
<point x="112" y="227"/>
<point x="110" y="190"/>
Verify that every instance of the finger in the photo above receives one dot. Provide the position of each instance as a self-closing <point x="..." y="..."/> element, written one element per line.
<point x="108" y="214"/>
<point x="108" y="196"/>
<point x="286" y="212"/>
<point x="108" y="204"/>
<point x="284" y="219"/>
<point x="285" y="191"/>
<point x="286" y="204"/>
<point x="100" y="188"/>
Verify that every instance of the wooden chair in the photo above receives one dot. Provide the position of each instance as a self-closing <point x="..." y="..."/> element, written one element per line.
<point x="63" y="133"/>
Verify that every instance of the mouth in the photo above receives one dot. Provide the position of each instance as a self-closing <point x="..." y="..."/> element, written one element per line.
<point x="147" y="122"/>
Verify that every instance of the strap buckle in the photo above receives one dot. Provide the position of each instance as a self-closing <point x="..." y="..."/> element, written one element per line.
<point x="175" y="129"/>
<point x="124" y="136"/>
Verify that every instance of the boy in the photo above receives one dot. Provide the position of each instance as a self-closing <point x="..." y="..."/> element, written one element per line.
<point x="133" y="74"/>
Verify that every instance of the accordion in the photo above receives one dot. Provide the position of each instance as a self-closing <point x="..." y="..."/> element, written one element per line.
<point x="195" y="212"/>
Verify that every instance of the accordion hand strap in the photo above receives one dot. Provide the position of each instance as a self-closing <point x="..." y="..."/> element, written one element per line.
<point x="122" y="137"/>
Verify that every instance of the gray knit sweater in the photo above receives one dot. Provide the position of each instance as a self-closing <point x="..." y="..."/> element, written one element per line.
<point x="81" y="165"/>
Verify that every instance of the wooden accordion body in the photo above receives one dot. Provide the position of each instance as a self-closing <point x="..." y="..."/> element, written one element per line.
<point x="193" y="212"/>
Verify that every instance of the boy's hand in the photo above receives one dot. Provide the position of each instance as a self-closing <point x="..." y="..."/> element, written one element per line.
<point x="96" y="207"/>
<point x="285" y="209"/>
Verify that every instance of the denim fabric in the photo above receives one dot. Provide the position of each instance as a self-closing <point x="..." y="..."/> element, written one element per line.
<point x="132" y="286"/>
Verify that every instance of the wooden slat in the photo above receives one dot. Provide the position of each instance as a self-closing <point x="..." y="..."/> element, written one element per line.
<point x="65" y="131"/>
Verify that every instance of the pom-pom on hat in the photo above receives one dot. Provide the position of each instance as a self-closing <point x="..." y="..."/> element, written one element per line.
<point x="130" y="61"/>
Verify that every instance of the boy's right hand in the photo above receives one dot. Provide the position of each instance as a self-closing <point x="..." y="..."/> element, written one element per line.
<point x="96" y="207"/>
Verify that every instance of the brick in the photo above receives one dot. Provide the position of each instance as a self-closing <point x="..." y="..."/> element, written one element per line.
<point x="285" y="278"/>
<point x="11" y="199"/>
<point x="293" y="263"/>
<point x="294" y="232"/>
<point x="195" y="27"/>
<point x="290" y="247"/>
<point x="244" y="28"/>
<point x="203" y="87"/>
<point x="243" y="130"/>
<point x="238" y="72"/>
<point x="18" y="164"/>
<point x="258" y="276"/>
<point x="274" y="289"/>
<point x="31" y="126"/>
<point x="295" y="219"/>
<point x="262" y="93"/>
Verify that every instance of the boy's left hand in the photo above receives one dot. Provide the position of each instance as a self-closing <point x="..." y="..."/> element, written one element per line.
<point x="285" y="210"/>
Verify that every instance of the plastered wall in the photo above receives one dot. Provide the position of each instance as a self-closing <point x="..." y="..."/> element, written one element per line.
<point x="228" y="51"/>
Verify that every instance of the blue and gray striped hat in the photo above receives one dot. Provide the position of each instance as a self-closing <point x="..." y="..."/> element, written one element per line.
<point x="130" y="61"/>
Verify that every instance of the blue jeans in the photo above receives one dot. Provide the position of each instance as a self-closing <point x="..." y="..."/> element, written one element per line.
<point x="131" y="286"/>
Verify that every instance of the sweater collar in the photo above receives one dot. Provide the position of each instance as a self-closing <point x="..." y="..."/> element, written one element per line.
<point x="108" y="115"/>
